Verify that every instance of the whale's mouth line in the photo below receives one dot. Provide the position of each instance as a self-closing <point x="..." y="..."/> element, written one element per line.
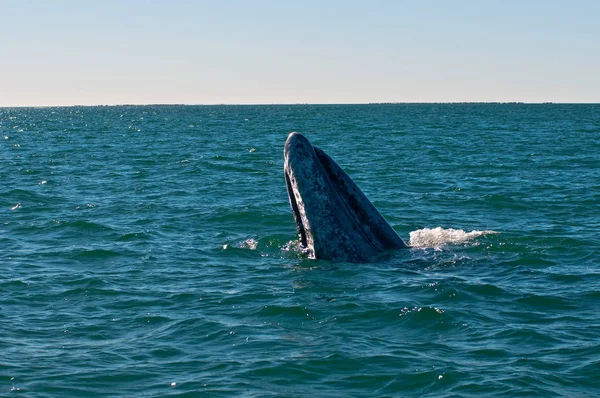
<point x="295" y="210"/>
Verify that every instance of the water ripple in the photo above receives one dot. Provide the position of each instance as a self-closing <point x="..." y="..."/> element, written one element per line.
<point x="151" y="251"/>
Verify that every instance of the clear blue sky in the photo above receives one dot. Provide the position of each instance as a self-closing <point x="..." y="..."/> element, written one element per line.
<point x="65" y="52"/>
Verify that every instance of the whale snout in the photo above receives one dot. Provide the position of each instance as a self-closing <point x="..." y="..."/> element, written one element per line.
<point x="297" y="146"/>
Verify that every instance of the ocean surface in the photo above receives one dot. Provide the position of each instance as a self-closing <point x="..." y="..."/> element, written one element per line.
<point x="150" y="251"/>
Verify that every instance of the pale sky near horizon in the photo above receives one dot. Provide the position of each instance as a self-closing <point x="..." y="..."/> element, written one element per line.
<point x="67" y="52"/>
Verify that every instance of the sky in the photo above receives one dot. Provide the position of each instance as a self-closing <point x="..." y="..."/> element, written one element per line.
<point x="65" y="52"/>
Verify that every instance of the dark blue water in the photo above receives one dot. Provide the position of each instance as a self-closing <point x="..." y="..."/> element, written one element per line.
<point x="150" y="251"/>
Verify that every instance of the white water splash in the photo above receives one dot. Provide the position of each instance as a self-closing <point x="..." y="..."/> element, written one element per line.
<point x="291" y="245"/>
<point x="249" y="244"/>
<point x="296" y="246"/>
<point x="439" y="236"/>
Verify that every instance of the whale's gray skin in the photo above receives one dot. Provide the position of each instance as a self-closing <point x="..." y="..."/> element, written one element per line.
<point x="335" y="220"/>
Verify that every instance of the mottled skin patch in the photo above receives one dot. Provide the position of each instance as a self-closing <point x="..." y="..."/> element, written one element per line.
<point x="335" y="220"/>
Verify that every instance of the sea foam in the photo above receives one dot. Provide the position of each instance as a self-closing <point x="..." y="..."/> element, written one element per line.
<point x="439" y="236"/>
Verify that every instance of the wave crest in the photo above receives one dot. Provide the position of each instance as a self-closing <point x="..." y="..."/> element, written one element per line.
<point x="439" y="236"/>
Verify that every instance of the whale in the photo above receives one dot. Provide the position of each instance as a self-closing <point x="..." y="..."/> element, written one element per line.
<point x="334" y="218"/>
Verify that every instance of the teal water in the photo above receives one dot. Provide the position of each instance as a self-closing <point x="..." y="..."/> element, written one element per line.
<point x="149" y="251"/>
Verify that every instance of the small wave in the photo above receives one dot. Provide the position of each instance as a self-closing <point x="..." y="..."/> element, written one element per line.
<point x="272" y="245"/>
<point x="439" y="236"/>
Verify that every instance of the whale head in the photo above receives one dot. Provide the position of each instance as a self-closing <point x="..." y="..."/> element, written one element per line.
<point x="335" y="220"/>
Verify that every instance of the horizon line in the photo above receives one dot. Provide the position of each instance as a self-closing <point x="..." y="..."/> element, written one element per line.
<point x="308" y="103"/>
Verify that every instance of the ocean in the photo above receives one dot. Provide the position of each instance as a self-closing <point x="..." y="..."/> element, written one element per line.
<point x="150" y="251"/>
